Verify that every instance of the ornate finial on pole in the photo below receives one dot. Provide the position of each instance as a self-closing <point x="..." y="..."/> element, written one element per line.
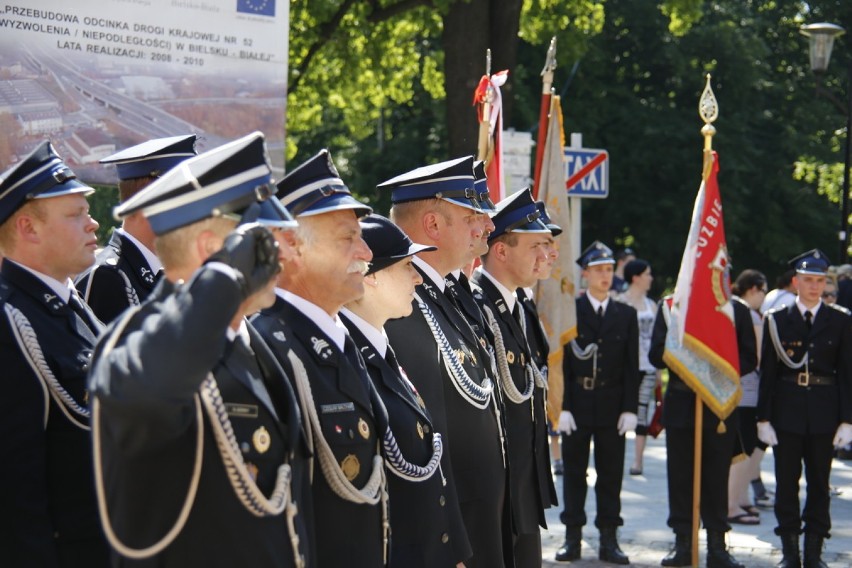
<point x="550" y="60"/>
<point x="708" y="109"/>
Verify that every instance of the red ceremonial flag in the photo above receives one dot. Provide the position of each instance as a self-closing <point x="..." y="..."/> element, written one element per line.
<point x="701" y="345"/>
<point x="544" y="113"/>
<point x="489" y="105"/>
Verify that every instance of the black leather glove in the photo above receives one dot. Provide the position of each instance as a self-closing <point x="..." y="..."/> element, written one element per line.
<point x="252" y="252"/>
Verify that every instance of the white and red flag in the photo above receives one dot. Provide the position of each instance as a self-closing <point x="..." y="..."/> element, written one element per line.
<point x="701" y="344"/>
<point x="489" y="105"/>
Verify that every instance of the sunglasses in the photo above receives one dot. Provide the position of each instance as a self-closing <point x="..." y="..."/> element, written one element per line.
<point x="829" y="294"/>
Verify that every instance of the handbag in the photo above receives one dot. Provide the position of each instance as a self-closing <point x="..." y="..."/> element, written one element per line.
<point x="656" y="425"/>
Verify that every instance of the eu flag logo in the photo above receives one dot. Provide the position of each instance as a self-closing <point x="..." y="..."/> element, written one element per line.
<point x="261" y="7"/>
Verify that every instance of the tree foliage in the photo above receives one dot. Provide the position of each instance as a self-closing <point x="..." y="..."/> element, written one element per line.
<point x="369" y="80"/>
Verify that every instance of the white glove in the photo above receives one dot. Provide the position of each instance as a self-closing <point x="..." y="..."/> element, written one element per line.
<point x="627" y="423"/>
<point x="566" y="423"/>
<point x="843" y="435"/>
<point x="766" y="433"/>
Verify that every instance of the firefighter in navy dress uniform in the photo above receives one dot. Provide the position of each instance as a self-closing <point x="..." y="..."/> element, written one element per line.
<point x="48" y="514"/>
<point x="601" y="370"/>
<point x="447" y="361"/>
<point x="537" y="338"/>
<point x="517" y="251"/>
<point x="805" y="405"/>
<point x="423" y="509"/>
<point x="305" y="333"/>
<point x="198" y="444"/>
<point x="127" y="268"/>
<point x="458" y="283"/>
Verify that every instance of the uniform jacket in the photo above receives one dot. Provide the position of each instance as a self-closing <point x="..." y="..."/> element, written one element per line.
<point x="421" y="512"/>
<point x="145" y="389"/>
<point x="525" y="422"/>
<point x="617" y="337"/>
<point x="47" y="502"/>
<point x="346" y="533"/>
<point x="814" y="409"/>
<point x="105" y="285"/>
<point x="540" y="349"/>
<point x="536" y="335"/>
<point x="472" y="436"/>
<point x="461" y="290"/>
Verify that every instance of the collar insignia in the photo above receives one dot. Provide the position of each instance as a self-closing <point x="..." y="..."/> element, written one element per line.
<point x="321" y="347"/>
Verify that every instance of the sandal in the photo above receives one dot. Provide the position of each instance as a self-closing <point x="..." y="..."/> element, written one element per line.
<point x="744" y="519"/>
<point x="635" y="471"/>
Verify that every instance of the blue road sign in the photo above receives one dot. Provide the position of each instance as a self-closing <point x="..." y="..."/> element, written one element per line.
<point x="587" y="172"/>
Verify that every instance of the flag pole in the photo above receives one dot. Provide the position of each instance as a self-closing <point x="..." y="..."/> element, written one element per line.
<point x="546" y="94"/>
<point x="485" y="112"/>
<point x="708" y="110"/>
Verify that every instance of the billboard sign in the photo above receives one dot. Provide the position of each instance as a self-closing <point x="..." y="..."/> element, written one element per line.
<point x="96" y="76"/>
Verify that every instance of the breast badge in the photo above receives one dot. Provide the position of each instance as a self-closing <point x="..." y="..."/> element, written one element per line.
<point x="363" y="428"/>
<point x="350" y="466"/>
<point x="261" y="440"/>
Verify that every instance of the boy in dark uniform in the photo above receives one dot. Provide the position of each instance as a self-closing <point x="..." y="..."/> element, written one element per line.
<point x="127" y="268"/>
<point x="48" y="514"/>
<point x="516" y="254"/>
<point x="805" y="405"/>
<point x="601" y="370"/>
<point x="198" y="442"/>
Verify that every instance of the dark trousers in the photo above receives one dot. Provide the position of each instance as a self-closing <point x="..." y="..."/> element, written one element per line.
<point x="609" y="465"/>
<point x="716" y="451"/>
<point x="815" y="450"/>
<point x="527" y="548"/>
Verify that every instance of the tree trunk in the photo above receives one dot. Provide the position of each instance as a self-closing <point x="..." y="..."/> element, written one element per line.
<point x="470" y="28"/>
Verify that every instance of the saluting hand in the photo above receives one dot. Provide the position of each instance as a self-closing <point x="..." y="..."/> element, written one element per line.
<point x="766" y="433"/>
<point x="252" y="252"/>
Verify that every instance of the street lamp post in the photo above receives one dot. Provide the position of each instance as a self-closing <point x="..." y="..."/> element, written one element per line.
<point x="821" y="40"/>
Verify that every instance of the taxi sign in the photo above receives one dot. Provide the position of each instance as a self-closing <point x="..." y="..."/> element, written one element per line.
<point x="587" y="172"/>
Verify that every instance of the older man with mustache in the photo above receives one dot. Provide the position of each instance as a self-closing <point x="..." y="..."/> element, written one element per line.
<point x="308" y="338"/>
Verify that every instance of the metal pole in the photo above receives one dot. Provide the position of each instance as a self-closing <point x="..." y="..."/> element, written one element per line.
<point x="844" y="200"/>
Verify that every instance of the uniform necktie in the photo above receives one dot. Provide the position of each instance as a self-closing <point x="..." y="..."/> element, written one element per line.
<point x="350" y="351"/>
<point x="809" y="319"/>
<point x="452" y="295"/>
<point x="391" y="360"/>
<point x="516" y="311"/>
<point x="76" y="305"/>
<point x="600" y="313"/>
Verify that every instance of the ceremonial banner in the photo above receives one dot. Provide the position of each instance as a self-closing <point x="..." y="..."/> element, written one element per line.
<point x="544" y="113"/>
<point x="701" y="344"/>
<point x="489" y="104"/>
<point x="97" y="76"/>
<point x="555" y="296"/>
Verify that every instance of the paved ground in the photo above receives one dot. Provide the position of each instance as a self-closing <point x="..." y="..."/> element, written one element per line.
<point x="646" y="538"/>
